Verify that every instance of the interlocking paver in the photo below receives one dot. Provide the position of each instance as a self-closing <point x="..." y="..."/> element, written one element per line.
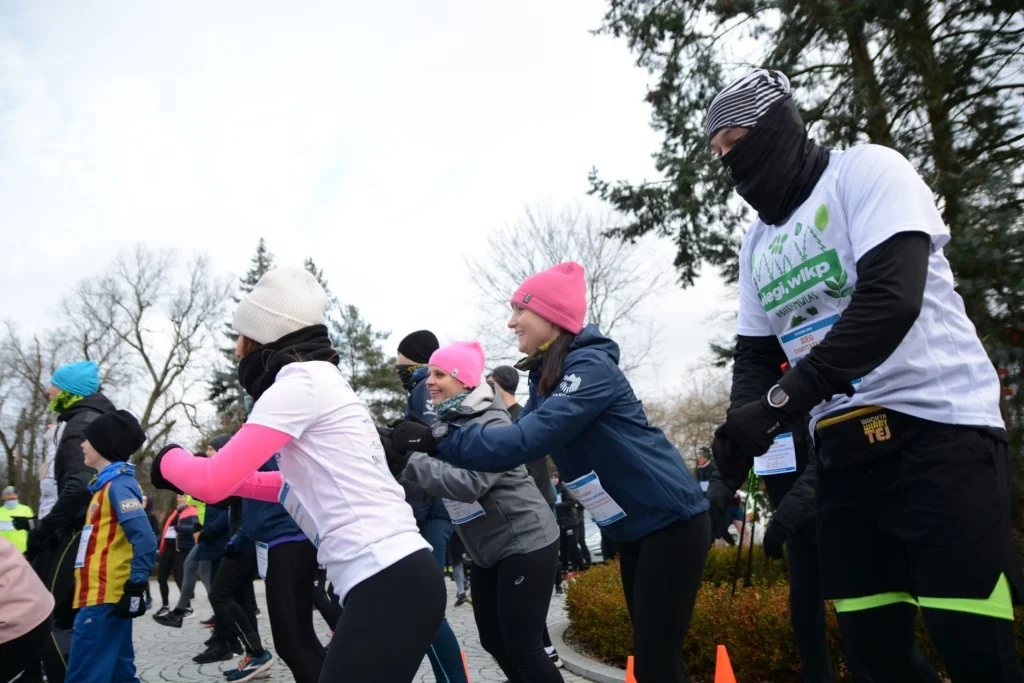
<point x="165" y="654"/>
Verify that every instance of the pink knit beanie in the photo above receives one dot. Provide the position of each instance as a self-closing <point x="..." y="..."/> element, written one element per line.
<point x="462" y="360"/>
<point x="558" y="294"/>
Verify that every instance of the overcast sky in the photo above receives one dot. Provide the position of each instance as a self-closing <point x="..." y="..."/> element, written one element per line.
<point x="383" y="140"/>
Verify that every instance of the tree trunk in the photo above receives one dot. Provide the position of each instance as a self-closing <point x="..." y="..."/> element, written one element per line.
<point x="865" y="81"/>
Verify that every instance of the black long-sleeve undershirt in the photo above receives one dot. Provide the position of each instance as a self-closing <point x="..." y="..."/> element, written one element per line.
<point x="886" y="302"/>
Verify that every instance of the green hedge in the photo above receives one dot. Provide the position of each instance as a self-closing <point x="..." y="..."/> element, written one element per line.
<point x="754" y="625"/>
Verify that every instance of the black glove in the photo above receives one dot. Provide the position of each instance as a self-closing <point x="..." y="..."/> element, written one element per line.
<point x="775" y="537"/>
<point x="719" y="498"/>
<point x="231" y="552"/>
<point x="413" y="437"/>
<point x="132" y="604"/>
<point x="754" y="425"/>
<point x="24" y="523"/>
<point x="397" y="460"/>
<point x="156" y="477"/>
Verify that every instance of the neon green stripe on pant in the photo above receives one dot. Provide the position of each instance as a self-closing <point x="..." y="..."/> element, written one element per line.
<point x="998" y="605"/>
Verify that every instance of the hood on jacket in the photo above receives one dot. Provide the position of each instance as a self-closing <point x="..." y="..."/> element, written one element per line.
<point x="479" y="401"/>
<point x="592" y="339"/>
<point x="95" y="402"/>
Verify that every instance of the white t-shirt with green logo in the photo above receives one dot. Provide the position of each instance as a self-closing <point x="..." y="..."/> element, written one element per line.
<point x="796" y="280"/>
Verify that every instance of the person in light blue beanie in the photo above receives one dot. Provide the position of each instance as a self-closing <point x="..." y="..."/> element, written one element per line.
<point x="80" y="379"/>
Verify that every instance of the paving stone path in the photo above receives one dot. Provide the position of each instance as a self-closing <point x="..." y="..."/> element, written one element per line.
<point x="165" y="654"/>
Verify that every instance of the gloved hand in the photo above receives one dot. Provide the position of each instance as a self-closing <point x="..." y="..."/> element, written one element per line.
<point x="413" y="437"/>
<point x="754" y="425"/>
<point x="155" y="475"/>
<point x="24" y="523"/>
<point x="397" y="460"/>
<point x="719" y="498"/>
<point x="132" y="604"/>
<point x="775" y="537"/>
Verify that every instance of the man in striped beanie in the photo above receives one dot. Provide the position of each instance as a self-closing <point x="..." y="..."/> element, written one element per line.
<point x="849" y="315"/>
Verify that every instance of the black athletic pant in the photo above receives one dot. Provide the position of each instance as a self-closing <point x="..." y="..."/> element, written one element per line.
<point x="291" y="573"/>
<point x="234" y="602"/>
<point x="170" y="562"/>
<point x="807" y="608"/>
<point x="569" y="549"/>
<point x="57" y="569"/>
<point x="661" y="574"/>
<point x="510" y="605"/>
<point x="325" y="600"/>
<point x="389" y="621"/>
<point x="581" y="539"/>
<point x="24" y="652"/>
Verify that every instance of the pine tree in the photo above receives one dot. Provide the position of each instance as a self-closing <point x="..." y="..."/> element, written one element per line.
<point x="363" y="362"/>
<point x="938" y="81"/>
<point x="225" y="392"/>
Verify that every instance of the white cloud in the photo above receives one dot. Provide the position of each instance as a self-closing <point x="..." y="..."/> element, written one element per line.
<point x="384" y="141"/>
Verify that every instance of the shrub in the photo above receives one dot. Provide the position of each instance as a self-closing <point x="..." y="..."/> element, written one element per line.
<point x="720" y="567"/>
<point x="754" y="625"/>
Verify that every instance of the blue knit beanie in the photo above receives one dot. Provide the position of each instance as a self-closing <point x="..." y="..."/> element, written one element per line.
<point x="80" y="379"/>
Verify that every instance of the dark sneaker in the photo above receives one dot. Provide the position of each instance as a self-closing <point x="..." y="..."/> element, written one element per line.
<point x="553" y="656"/>
<point x="253" y="668"/>
<point x="461" y="600"/>
<point x="208" y="623"/>
<point x="172" y="618"/>
<point x="188" y="611"/>
<point x="218" y="652"/>
<point x="162" y="611"/>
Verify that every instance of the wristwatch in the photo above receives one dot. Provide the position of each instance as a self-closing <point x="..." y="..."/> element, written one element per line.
<point x="439" y="430"/>
<point x="777" y="397"/>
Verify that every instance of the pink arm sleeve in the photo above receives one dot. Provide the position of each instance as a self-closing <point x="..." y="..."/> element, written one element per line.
<point x="214" y="479"/>
<point x="261" y="486"/>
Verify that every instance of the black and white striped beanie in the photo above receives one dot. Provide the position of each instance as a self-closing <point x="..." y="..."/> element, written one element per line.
<point x="744" y="101"/>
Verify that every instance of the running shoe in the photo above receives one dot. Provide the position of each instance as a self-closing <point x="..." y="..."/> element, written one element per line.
<point x="555" y="659"/>
<point x="254" y="667"/>
<point x="207" y="623"/>
<point x="461" y="600"/>
<point x="162" y="611"/>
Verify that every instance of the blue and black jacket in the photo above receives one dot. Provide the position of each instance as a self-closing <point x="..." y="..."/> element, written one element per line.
<point x="591" y="422"/>
<point x="419" y="404"/>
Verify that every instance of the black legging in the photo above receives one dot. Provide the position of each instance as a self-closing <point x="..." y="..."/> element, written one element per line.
<point x="170" y="562"/>
<point x="389" y="621"/>
<point x="24" y="652"/>
<point x="973" y="647"/>
<point x="581" y="540"/>
<point x="291" y="573"/>
<point x="570" y="549"/>
<point x="325" y="599"/>
<point x="510" y="604"/>
<point x="661" y="574"/>
<point x="233" y="601"/>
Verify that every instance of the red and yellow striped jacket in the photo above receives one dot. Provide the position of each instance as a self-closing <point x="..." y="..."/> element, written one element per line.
<point x="108" y="554"/>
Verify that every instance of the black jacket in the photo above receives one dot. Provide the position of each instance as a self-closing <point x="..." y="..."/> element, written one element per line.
<point x="567" y="511"/>
<point x="72" y="475"/>
<point x="538" y="469"/>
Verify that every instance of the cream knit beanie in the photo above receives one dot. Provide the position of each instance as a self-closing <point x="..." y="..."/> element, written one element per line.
<point x="283" y="301"/>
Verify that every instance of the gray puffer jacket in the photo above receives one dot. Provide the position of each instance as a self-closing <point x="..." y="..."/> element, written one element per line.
<point x="516" y="518"/>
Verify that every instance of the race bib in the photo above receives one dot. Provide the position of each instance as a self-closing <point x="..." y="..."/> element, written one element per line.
<point x="780" y="458"/>
<point x="262" y="559"/>
<point x="591" y="494"/>
<point x="704" y="486"/>
<point x="290" y="500"/>
<point x="800" y="341"/>
<point x="462" y="512"/>
<point x="171" y="534"/>
<point x="83" y="546"/>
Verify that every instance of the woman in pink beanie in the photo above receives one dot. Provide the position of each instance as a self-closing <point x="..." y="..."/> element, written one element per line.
<point x="584" y="413"/>
<point x="501" y="518"/>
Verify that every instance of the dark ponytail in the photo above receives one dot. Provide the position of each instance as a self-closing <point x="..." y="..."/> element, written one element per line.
<point x="554" y="359"/>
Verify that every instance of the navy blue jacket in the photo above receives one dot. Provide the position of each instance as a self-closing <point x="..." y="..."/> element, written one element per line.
<point x="215" y="534"/>
<point x="263" y="521"/>
<point x="419" y="404"/>
<point x="591" y="422"/>
<point x="186" y="527"/>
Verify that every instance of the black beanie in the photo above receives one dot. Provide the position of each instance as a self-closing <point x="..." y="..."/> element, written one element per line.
<point x="419" y="346"/>
<point x="115" y="436"/>
<point x="219" y="442"/>
<point x="506" y="377"/>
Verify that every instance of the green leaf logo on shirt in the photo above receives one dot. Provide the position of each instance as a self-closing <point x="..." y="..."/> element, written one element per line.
<point x="821" y="218"/>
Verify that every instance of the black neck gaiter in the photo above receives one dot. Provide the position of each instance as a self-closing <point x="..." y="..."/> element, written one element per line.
<point x="775" y="166"/>
<point x="258" y="370"/>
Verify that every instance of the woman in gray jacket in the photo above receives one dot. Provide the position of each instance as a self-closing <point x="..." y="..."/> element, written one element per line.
<point x="502" y="519"/>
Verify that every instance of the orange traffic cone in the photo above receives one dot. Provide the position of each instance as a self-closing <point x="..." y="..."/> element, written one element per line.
<point x="630" y="678"/>
<point x="723" y="669"/>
